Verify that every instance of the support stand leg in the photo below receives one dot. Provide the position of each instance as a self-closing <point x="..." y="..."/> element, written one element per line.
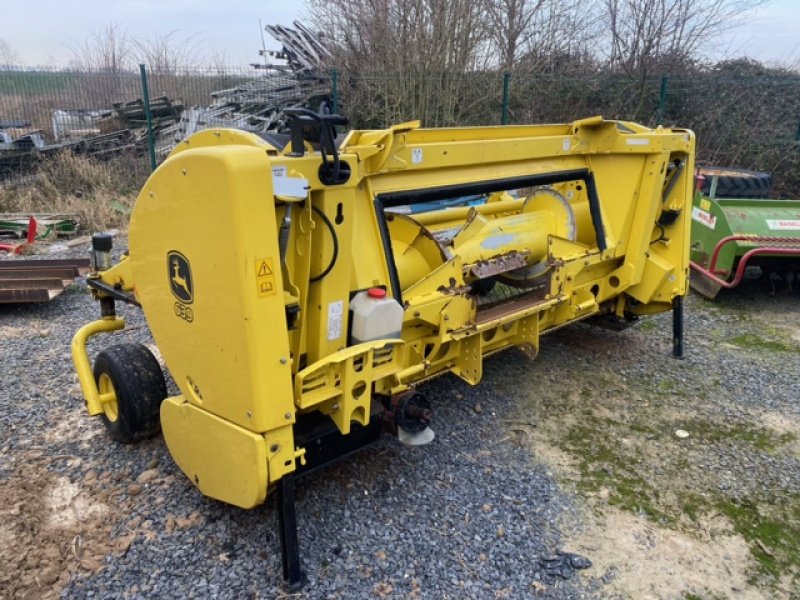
<point x="287" y="523"/>
<point x="677" y="327"/>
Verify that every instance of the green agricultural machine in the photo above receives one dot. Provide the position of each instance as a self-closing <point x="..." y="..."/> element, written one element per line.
<point x="735" y="226"/>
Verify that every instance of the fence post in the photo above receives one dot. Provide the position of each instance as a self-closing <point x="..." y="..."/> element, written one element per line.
<point x="151" y="140"/>
<point x="335" y="91"/>
<point x="662" y="99"/>
<point x="506" y="83"/>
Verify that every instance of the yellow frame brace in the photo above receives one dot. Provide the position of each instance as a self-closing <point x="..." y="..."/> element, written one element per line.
<point x="83" y="366"/>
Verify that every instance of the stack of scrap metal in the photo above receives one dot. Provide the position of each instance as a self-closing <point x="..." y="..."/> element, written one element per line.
<point x="38" y="280"/>
<point x="78" y="124"/>
<point x="257" y="104"/>
<point x="17" y="139"/>
<point x="19" y="151"/>
<point x="165" y="114"/>
<point x="303" y="50"/>
<point x="161" y="109"/>
<point x="95" y="133"/>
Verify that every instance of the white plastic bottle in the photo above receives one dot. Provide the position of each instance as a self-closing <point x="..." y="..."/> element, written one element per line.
<point x="375" y="317"/>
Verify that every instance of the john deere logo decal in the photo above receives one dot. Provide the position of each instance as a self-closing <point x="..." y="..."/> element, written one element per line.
<point x="180" y="277"/>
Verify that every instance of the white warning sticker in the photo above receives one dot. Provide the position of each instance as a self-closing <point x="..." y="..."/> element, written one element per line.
<point x="704" y="218"/>
<point x="783" y="224"/>
<point x="416" y="155"/>
<point x="335" y="310"/>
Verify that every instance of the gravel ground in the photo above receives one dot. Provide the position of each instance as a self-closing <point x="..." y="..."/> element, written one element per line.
<point x="466" y="517"/>
<point x="505" y="485"/>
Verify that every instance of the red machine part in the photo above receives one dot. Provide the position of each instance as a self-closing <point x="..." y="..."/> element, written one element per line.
<point x="790" y="247"/>
<point x="30" y="239"/>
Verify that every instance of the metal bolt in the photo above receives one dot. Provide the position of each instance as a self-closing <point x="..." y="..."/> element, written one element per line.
<point x="274" y="448"/>
<point x="249" y="415"/>
<point x="287" y="416"/>
<point x="283" y="360"/>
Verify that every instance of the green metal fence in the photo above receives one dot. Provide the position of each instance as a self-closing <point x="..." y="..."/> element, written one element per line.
<point x="747" y="119"/>
<point x="145" y="112"/>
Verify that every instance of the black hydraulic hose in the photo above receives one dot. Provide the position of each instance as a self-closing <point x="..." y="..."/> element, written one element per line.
<point x="335" y="255"/>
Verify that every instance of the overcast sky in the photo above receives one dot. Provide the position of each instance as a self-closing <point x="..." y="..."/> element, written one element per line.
<point x="45" y="31"/>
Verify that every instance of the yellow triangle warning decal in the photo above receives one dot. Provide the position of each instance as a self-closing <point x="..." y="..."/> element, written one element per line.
<point x="264" y="269"/>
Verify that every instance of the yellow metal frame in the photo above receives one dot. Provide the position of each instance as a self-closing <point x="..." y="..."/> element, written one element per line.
<point x="255" y="339"/>
<point x="83" y="366"/>
<point x="341" y="384"/>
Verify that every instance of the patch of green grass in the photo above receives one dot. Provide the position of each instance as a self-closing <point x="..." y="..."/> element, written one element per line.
<point x="762" y="439"/>
<point x="32" y="83"/>
<point x="753" y="342"/>
<point x="641" y="428"/>
<point x="772" y="530"/>
<point x="709" y="596"/>
<point x="647" y="324"/>
<point x="603" y="465"/>
<point x="666" y="385"/>
<point x="774" y="539"/>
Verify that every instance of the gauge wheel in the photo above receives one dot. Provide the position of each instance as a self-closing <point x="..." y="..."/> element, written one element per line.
<point x="132" y="387"/>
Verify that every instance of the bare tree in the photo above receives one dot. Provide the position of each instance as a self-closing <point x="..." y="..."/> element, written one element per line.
<point x="400" y="34"/>
<point x="559" y="37"/>
<point x="646" y="33"/>
<point x="512" y="26"/>
<point x="8" y="55"/>
<point x="108" y="50"/>
<point x="168" y="53"/>
<point x="219" y="62"/>
<point x="411" y="55"/>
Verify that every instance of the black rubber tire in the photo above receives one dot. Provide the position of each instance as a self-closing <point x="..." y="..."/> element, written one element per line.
<point x="736" y="183"/>
<point x="140" y="388"/>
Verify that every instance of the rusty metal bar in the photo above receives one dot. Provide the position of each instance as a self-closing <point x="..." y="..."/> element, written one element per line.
<point x="774" y="251"/>
<point x="25" y="284"/>
<point x="32" y="263"/>
<point x="23" y="281"/>
<point x="48" y="273"/>
<point x="753" y="239"/>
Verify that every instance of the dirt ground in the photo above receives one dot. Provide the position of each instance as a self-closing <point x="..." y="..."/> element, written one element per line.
<point x="49" y="530"/>
<point x="687" y="479"/>
<point x="710" y="515"/>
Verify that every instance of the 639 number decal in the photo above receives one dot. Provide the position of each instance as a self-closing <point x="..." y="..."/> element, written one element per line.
<point x="184" y="312"/>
